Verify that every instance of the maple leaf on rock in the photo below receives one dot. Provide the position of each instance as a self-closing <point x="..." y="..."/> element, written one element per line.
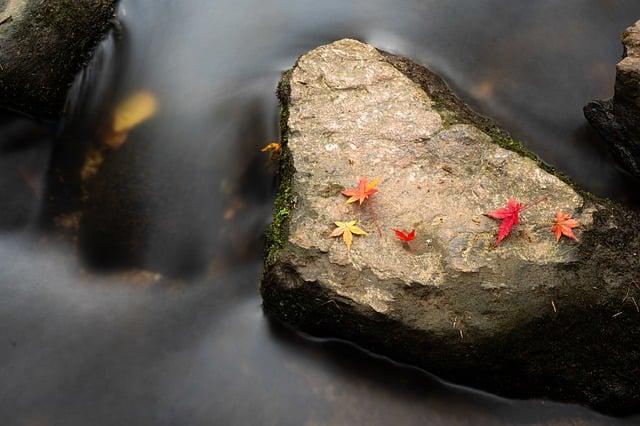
<point x="564" y="225"/>
<point x="404" y="235"/>
<point x="347" y="230"/>
<point x="362" y="192"/>
<point x="273" y="147"/>
<point x="509" y="217"/>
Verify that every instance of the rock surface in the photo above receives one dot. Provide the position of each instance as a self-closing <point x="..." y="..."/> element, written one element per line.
<point x="43" y="44"/>
<point x="530" y="318"/>
<point x="618" y="119"/>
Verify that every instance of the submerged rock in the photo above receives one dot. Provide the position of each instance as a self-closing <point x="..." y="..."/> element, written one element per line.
<point x="529" y="318"/>
<point x="43" y="44"/>
<point x="618" y="119"/>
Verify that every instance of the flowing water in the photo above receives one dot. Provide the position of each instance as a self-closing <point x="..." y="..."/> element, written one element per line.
<point x="150" y="313"/>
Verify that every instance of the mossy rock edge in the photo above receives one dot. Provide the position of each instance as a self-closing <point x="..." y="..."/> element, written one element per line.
<point x="572" y="333"/>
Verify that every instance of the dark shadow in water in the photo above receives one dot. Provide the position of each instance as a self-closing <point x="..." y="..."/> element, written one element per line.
<point x="412" y="385"/>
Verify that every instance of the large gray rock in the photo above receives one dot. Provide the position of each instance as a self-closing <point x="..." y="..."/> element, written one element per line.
<point x="529" y="318"/>
<point x="618" y="119"/>
<point x="43" y="44"/>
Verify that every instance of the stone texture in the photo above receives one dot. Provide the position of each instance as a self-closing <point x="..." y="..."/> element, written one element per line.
<point x="43" y="44"/>
<point x="618" y="119"/>
<point x="530" y="318"/>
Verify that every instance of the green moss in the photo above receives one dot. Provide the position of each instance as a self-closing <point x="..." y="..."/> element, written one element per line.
<point x="455" y="111"/>
<point x="278" y="231"/>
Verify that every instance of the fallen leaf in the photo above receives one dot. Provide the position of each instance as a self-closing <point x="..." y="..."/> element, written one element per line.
<point x="128" y="114"/>
<point x="362" y="192"/>
<point x="509" y="217"/>
<point x="92" y="163"/>
<point x="134" y="110"/>
<point x="273" y="148"/>
<point x="347" y="230"/>
<point x="404" y="235"/>
<point x="563" y="225"/>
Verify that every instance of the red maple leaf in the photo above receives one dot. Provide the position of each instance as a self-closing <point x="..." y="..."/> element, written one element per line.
<point x="404" y="235"/>
<point x="563" y="225"/>
<point x="509" y="217"/>
<point x="364" y="190"/>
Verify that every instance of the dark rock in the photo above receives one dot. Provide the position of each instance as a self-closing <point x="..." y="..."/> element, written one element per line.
<point x="618" y="119"/>
<point x="530" y="318"/>
<point x="43" y="44"/>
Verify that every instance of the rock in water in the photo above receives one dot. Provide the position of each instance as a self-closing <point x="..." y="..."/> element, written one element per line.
<point x="529" y="318"/>
<point x="618" y="119"/>
<point x="43" y="44"/>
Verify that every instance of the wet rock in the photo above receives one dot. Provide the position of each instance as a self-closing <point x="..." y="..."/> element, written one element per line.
<point x="618" y="119"/>
<point x="24" y="155"/>
<point x="530" y="318"/>
<point x="43" y="44"/>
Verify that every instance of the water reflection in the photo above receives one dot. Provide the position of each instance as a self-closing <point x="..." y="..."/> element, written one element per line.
<point x="139" y="300"/>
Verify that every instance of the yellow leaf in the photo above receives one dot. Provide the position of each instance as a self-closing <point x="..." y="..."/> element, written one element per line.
<point x="337" y="232"/>
<point x="347" y="236"/>
<point x="347" y="230"/>
<point x="273" y="147"/>
<point x="356" y="230"/>
<point x="134" y="110"/>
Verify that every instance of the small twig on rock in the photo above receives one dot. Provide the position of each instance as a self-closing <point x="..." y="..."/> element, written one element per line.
<point x="633" y="299"/>
<point x="553" y="305"/>
<point x="7" y="19"/>
<point x="332" y="301"/>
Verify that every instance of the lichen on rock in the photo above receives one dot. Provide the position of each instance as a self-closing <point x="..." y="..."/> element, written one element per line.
<point x="530" y="318"/>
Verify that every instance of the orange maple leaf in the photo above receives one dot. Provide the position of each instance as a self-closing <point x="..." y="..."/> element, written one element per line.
<point x="273" y="147"/>
<point x="564" y="225"/>
<point x="362" y="192"/>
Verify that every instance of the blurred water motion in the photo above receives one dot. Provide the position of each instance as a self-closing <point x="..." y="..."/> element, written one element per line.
<point x="128" y="269"/>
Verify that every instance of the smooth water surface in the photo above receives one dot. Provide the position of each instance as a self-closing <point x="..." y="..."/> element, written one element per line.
<point x="173" y="334"/>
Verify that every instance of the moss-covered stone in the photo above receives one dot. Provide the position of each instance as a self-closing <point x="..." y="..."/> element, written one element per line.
<point x="455" y="111"/>
<point x="278" y="230"/>
<point x="43" y="46"/>
<point x="531" y="318"/>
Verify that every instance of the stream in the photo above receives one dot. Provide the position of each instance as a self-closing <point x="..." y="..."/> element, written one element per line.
<point x="155" y="317"/>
